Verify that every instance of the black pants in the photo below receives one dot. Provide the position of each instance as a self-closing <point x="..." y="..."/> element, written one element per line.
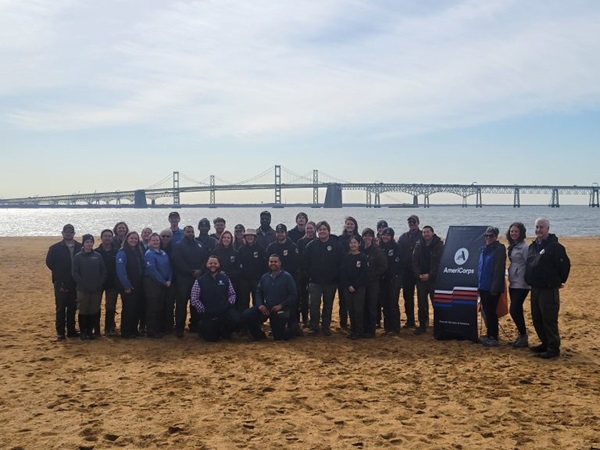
<point x="409" y="281"/>
<point x="343" y="305"/>
<point x="156" y="300"/>
<point x="247" y="289"/>
<point x="489" y="303"/>
<point x="302" y="284"/>
<point x="371" y="313"/>
<point x="65" y="299"/>
<point x="517" y="298"/>
<point x="253" y="319"/>
<point x="129" y="312"/>
<point x="182" y="299"/>
<point x="356" y="309"/>
<point x="213" y="328"/>
<point x="389" y="295"/>
<point x="545" y="304"/>
<point x="425" y="291"/>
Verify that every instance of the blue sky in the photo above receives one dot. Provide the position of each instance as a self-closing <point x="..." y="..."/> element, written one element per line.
<point x="102" y="96"/>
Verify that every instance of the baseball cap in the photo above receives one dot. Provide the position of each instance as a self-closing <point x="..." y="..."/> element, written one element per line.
<point x="68" y="228"/>
<point x="382" y="224"/>
<point x="281" y="227"/>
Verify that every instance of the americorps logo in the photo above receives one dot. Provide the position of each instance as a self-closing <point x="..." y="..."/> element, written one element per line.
<point x="461" y="256"/>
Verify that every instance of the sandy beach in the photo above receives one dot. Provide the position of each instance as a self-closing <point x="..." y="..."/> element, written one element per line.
<point x="409" y="392"/>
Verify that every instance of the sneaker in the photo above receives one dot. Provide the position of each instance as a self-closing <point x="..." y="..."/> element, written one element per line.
<point x="369" y="335"/>
<point x="313" y="333"/>
<point x="538" y="348"/>
<point x="326" y="332"/>
<point x="521" y="342"/>
<point x="549" y="354"/>
<point x="490" y="342"/>
<point x="61" y="337"/>
<point x="353" y="336"/>
<point x="420" y="330"/>
<point x="409" y="325"/>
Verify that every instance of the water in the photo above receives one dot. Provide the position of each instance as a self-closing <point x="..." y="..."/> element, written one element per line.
<point x="567" y="220"/>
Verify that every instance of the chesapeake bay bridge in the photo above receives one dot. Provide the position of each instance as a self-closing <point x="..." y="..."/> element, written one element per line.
<point x="282" y="179"/>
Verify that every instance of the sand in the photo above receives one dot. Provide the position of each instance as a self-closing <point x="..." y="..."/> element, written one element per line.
<point x="404" y="392"/>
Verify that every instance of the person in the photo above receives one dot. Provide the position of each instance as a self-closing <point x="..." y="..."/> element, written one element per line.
<point x="229" y="259"/>
<point x="109" y="288"/>
<point x="145" y="239"/>
<point x="407" y="242"/>
<point x="425" y="264"/>
<point x="517" y="286"/>
<point x="59" y="261"/>
<point x="301" y="277"/>
<point x="265" y="235"/>
<point x="298" y="231"/>
<point x="275" y="300"/>
<point x="381" y="225"/>
<point x="130" y="272"/>
<point x="89" y="273"/>
<point x="253" y="262"/>
<point x="189" y="259"/>
<point x="213" y="297"/>
<point x="238" y="236"/>
<point x="490" y="283"/>
<point x="289" y="257"/>
<point x="321" y="260"/>
<point x="174" y="219"/>
<point x="547" y="271"/>
<point x="350" y="230"/>
<point x="219" y="224"/>
<point x="120" y="230"/>
<point x="166" y="244"/>
<point x="354" y="277"/>
<point x="209" y="242"/>
<point x="389" y="287"/>
<point x="377" y="265"/>
<point x="157" y="281"/>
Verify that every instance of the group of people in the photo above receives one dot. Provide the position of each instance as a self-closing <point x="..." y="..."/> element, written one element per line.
<point x="236" y="282"/>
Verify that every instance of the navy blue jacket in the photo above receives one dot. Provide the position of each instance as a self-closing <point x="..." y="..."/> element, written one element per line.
<point x="278" y="290"/>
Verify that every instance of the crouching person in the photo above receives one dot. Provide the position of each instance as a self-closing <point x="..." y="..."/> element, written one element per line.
<point x="213" y="297"/>
<point x="275" y="296"/>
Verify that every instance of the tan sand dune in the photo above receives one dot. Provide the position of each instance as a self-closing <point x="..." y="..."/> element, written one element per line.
<point x="402" y="392"/>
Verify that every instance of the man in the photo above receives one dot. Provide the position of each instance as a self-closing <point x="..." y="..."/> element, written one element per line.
<point x="381" y="225"/>
<point x="377" y="267"/>
<point x="407" y="242"/>
<point x="213" y="296"/>
<point x="59" y="261"/>
<point x="298" y="231"/>
<point x="425" y="263"/>
<point x="174" y="220"/>
<point x="547" y="270"/>
<point x="219" y="224"/>
<point x="108" y="253"/>
<point x="253" y="259"/>
<point x="188" y="257"/>
<point x="209" y="242"/>
<point x="275" y="300"/>
<point x="321" y="260"/>
<point x="265" y="235"/>
<point x="390" y="283"/>
<point x="289" y="257"/>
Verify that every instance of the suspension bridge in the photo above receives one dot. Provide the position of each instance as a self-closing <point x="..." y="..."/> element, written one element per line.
<point x="279" y="179"/>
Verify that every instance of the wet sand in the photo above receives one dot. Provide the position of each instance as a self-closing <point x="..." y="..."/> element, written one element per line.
<point x="409" y="392"/>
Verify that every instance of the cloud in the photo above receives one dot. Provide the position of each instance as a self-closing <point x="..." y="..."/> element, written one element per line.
<point x="263" y="69"/>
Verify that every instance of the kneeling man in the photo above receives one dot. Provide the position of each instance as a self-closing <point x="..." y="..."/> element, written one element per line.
<point x="213" y="297"/>
<point x="275" y="296"/>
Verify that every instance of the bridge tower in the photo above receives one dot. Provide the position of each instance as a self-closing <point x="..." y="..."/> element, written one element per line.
<point x="554" y="203"/>
<point x="212" y="192"/>
<point x="333" y="196"/>
<point x="478" y="201"/>
<point x="416" y="200"/>
<point x="315" y="188"/>
<point x="517" y="198"/>
<point x="368" y="200"/>
<point x="277" y="187"/>
<point x="175" y="188"/>
<point x="594" y="197"/>
<point x="426" y="200"/>
<point x="139" y="199"/>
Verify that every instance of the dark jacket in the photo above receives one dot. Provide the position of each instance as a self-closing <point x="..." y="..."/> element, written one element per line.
<point x="279" y="290"/>
<point x="214" y="294"/>
<point x="426" y="258"/>
<point x="130" y="268"/>
<point x="491" y="268"/>
<point x="322" y="260"/>
<point x="548" y="265"/>
<point x="354" y="270"/>
<point x="110" y="263"/>
<point x="189" y="255"/>
<point x="59" y="261"/>
<point x="295" y="234"/>
<point x="88" y="271"/>
<point x="407" y="243"/>
<point x="209" y="243"/>
<point x="391" y="251"/>
<point x="377" y="262"/>
<point x="253" y="259"/>
<point x="229" y="260"/>
<point x="288" y="253"/>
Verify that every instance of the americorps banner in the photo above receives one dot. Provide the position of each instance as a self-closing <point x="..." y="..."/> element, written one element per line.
<point x="455" y="298"/>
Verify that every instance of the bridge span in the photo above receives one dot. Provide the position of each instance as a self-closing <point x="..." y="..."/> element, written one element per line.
<point x="420" y="192"/>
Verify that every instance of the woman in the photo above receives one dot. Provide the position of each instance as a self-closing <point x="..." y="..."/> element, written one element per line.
<point x="492" y="264"/>
<point x="310" y="233"/>
<point x="157" y="281"/>
<point x="120" y="230"/>
<point x="354" y="277"/>
<point x="350" y="230"/>
<point x="377" y="267"/>
<point x="229" y="258"/>
<point x="130" y="271"/>
<point x="517" y="287"/>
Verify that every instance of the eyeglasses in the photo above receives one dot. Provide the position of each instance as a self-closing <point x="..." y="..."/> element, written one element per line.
<point x="412" y="221"/>
<point x="165" y="236"/>
<point x="489" y="235"/>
